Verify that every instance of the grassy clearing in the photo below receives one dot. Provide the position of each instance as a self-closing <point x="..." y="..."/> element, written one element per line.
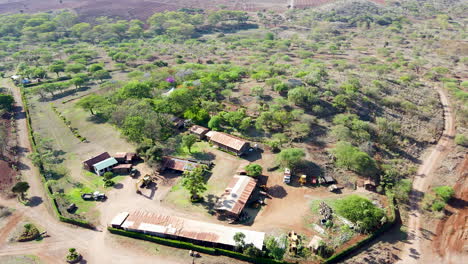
<point x="197" y="150"/>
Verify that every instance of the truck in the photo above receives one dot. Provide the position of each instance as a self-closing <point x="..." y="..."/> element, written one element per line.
<point x="287" y="176"/>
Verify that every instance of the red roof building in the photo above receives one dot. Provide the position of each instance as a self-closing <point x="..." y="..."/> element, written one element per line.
<point x="236" y="195"/>
<point x="88" y="164"/>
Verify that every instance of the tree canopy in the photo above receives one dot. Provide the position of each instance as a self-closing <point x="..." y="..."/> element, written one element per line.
<point x="361" y="211"/>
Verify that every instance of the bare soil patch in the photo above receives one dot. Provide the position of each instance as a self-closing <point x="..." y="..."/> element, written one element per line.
<point x="452" y="232"/>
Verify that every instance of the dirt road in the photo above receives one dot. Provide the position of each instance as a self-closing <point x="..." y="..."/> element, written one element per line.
<point x="412" y="252"/>
<point x="96" y="246"/>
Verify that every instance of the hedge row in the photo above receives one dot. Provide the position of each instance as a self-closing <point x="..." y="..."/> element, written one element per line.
<point x="68" y="124"/>
<point x="350" y="250"/>
<point x="190" y="246"/>
<point x="49" y="192"/>
<point x="63" y="78"/>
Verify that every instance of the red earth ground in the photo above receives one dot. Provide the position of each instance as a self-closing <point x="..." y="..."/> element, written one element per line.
<point x="452" y="232"/>
<point x="142" y="9"/>
<point x="7" y="174"/>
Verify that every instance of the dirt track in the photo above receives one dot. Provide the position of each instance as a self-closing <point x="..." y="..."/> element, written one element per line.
<point x="97" y="246"/>
<point x="413" y="250"/>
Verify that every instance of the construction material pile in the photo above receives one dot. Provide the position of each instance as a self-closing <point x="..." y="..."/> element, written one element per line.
<point x="325" y="210"/>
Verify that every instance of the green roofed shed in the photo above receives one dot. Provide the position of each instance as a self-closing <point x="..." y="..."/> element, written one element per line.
<point x="105" y="165"/>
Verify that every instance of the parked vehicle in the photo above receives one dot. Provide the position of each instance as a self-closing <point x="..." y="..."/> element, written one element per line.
<point x="287" y="176"/>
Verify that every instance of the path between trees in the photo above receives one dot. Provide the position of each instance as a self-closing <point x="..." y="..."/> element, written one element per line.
<point x="413" y="249"/>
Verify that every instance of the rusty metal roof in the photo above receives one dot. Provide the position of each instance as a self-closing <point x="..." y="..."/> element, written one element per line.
<point x="199" y="130"/>
<point x="237" y="194"/>
<point x="227" y="140"/>
<point x="179" y="164"/>
<point x="146" y="222"/>
<point x="90" y="162"/>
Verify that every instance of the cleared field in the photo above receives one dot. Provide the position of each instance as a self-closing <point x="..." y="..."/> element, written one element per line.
<point x="142" y="9"/>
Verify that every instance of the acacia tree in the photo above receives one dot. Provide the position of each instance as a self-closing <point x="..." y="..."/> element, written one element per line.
<point x="194" y="182"/>
<point x="21" y="188"/>
<point x="239" y="239"/>
<point x="91" y="102"/>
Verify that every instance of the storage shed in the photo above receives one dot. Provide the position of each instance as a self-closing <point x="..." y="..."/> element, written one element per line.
<point x="103" y="166"/>
<point x="199" y="131"/>
<point x="88" y="164"/>
<point x="228" y="142"/>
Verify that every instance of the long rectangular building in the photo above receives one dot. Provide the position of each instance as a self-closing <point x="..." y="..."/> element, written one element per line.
<point x="235" y="196"/>
<point x="228" y="142"/>
<point x="177" y="228"/>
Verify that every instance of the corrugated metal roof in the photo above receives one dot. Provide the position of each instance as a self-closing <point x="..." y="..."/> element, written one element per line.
<point x="141" y="221"/>
<point x="105" y="164"/>
<point x="237" y="194"/>
<point x="179" y="164"/>
<point x="227" y="140"/>
<point x="199" y="130"/>
<point x="103" y="156"/>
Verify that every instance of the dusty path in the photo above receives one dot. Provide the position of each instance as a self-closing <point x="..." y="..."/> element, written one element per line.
<point x="412" y="252"/>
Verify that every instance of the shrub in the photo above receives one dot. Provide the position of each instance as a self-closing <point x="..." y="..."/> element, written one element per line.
<point x="254" y="170"/>
<point x="444" y="192"/>
<point x="360" y="211"/>
<point x="461" y="140"/>
<point x="438" y="206"/>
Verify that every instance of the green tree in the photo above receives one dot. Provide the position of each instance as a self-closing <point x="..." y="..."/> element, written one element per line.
<point x="92" y="102"/>
<point x="239" y="239"/>
<point x="95" y="67"/>
<point x="290" y="157"/>
<point x="108" y="175"/>
<point x="21" y="188"/>
<point x="101" y="75"/>
<point x="57" y="68"/>
<point x="275" y="250"/>
<point x="444" y="192"/>
<point x="215" y="122"/>
<point x="75" y="68"/>
<point x="133" y="128"/>
<point x="361" y="211"/>
<point x="188" y="141"/>
<point x="6" y="102"/>
<point x="352" y="158"/>
<point x="135" y="89"/>
<point x="254" y="170"/>
<point x="77" y="81"/>
<point x="194" y="182"/>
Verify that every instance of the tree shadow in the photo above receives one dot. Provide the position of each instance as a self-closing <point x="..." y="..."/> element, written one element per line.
<point x="97" y="119"/>
<point x="254" y="155"/>
<point x="277" y="191"/>
<point x="209" y="203"/>
<point x="34" y="201"/>
<point x="208" y="156"/>
<point x="118" y="186"/>
<point x="458" y="203"/>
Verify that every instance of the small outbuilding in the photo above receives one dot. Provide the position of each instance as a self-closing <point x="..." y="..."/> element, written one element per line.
<point x="104" y="166"/>
<point x="179" y="164"/>
<point x="125" y="157"/>
<point x="122" y="168"/>
<point x="314" y="244"/>
<point x="199" y="131"/>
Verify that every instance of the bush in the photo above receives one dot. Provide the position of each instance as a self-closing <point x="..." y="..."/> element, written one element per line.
<point x="461" y="140"/>
<point x="29" y="233"/>
<point x="254" y="170"/>
<point x="438" y="206"/>
<point x="444" y="192"/>
<point x="360" y="211"/>
<point x="352" y="158"/>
